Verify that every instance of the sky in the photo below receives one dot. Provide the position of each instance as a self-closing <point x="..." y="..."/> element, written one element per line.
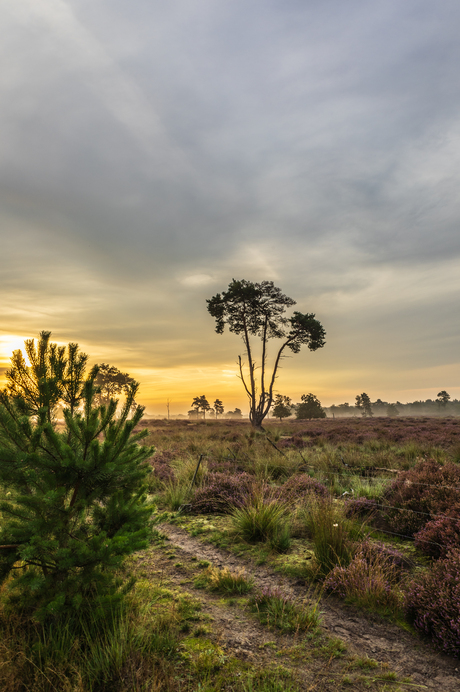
<point x="151" y="152"/>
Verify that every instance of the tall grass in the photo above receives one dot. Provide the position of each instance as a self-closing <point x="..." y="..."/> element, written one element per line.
<point x="263" y="518"/>
<point x="334" y="536"/>
<point x="370" y="581"/>
<point x="123" y="651"/>
<point x="175" y="494"/>
<point x="275" y="608"/>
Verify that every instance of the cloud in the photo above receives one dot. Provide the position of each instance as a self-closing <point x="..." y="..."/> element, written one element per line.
<point x="150" y="153"/>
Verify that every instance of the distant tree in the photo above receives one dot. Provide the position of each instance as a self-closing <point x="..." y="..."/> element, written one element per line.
<point x="234" y="414"/>
<point x="201" y="404"/>
<point x="443" y="398"/>
<point x="392" y="411"/>
<point x="257" y="310"/>
<point x="282" y="407"/>
<point x="111" y="383"/>
<point x="310" y="407"/>
<point x="218" y="407"/>
<point x="363" y="404"/>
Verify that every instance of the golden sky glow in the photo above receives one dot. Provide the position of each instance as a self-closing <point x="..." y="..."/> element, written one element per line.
<point x="153" y="152"/>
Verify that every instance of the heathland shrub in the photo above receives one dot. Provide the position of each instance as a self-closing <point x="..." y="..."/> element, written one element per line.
<point x="424" y="490"/>
<point x="433" y="603"/>
<point x="360" y="507"/>
<point x="377" y="550"/>
<point x="368" y="580"/>
<point x="299" y="488"/>
<point x="440" y="535"/>
<point x="162" y="471"/>
<point x="221" y="493"/>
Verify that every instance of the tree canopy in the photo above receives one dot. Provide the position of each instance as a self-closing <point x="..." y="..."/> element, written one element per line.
<point x="363" y="404"/>
<point x="111" y="383"/>
<point x="310" y="407"/>
<point x="218" y="407"/>
<point x="258" y="310"/>
<point x="282" y="407"/>
<point x="200" y="404"/>
<point x="443" y="398"/>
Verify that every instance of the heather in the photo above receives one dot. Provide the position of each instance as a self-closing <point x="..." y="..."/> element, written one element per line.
<point x="431" y="432"/>
<point x="221" y="493"/>
<point x="162" y="471"/>
<point x="440" y="535"/>
<point x="432" y="603"/>
<point x="360" y="507"/>
<point x="300" y="488"/>
<point x="368" y="580"/>
<point x="318" y="493"/>
<point x="425" y="490"/>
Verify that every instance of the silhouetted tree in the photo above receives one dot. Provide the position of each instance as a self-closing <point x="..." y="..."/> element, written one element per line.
<point x="310" y="407"/>
<point x="200" y="403"/>
<point x="282" y="407"/>
<point x="392" y="411"/>
<point x="111" y="383"/>
<point x="443" y="398"/>
<point x="234" y="414"/>
<point x="258" y="310"/>
<point x="218" y="407"/>
<point x="363" y="404"/>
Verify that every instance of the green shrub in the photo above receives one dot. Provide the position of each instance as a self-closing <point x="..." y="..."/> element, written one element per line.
<point x="77" y="506"/>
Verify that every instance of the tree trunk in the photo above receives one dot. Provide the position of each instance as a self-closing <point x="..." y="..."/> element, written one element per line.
<point x="256" y="422"/>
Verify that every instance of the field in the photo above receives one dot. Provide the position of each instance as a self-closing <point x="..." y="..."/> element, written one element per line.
<point x="323" y="555"/>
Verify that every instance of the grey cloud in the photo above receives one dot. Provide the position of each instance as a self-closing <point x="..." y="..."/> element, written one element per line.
<point x="144" y="143"/>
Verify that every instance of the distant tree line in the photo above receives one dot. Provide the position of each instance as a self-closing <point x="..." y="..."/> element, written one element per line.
<point x="308" y="408"/>
<point x="201" y="406"/>
<point x="443" y="405"/>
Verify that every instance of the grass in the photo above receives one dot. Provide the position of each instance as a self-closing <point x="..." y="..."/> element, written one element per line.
<point x="175" y="495"/>
<point x="333" y="535"/>
<point x="159" y="641"/>
<point x="276" y="609"/>
<point x="263" y="519"/>
<point x="225" y="581"/>
<point x="122" y="652"/>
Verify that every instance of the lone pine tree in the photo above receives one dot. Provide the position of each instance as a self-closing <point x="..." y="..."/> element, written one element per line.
<point x="257" y="310"/>
<point x="76" y="503"/>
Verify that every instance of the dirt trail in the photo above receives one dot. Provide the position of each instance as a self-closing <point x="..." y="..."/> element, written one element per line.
<point x="363" y="635"/>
